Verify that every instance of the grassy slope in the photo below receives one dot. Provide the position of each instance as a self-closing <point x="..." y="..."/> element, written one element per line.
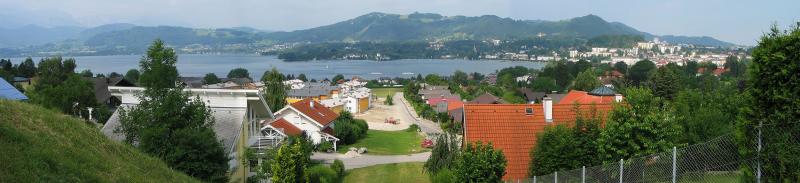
<point x="40" y="145"/>
<point x="398" y="172"/>
<point x="388" y="143"/>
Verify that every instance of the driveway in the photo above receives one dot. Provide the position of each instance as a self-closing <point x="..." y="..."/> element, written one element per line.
<point x="377" y="115"/>
<point x="359" y="161"/>
<point x="427" y="126"/>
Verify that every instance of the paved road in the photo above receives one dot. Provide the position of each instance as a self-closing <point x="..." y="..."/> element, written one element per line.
<point x="369" y="160"/>
<point x="427" y="126"/>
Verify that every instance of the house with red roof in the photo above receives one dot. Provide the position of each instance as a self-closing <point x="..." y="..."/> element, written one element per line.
<point x="513" y="128"/>
<point x="307" y="117"/>
<point x="600" y="95"/>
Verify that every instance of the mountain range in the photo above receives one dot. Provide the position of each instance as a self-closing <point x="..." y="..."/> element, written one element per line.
<point x="375" y="27"/>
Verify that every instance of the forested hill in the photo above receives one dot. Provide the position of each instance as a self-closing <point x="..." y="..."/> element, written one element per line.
<point x="41" y="145"/>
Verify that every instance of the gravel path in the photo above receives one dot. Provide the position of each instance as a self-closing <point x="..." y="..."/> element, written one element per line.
<point x="352" y="161"/>
<point x="379" y="112"/>
<point x="427" y="126"/>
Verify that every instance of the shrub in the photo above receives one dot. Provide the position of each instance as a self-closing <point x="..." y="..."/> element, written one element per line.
<point x="412" y="128"/>
<point x="325" y="146"/>
<point x="338" y="167"/>
<point x="321" y="174"/>
<point x="349" y="130"/>
<point x="443" y="176"/>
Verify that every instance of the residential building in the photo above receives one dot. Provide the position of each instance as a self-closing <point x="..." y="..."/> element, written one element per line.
<point x="487" y="98"/>
<point x="305" y="117"/>
<point x="599" y="95"/>
<point x="513" y="128"/>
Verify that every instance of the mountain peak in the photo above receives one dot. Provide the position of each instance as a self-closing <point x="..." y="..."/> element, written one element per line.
<point x="589" y="18"/>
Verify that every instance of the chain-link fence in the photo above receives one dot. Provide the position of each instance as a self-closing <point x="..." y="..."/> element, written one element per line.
<point x="717" y="160"/>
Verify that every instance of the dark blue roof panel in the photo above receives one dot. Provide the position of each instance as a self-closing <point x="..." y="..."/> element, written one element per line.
<point x="7" y="91"/>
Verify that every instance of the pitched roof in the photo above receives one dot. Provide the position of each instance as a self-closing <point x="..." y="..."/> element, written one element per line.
<point x="436" y="100"/>
<point x="487" y="98"/>
<point x="583" y="97"/>
<point x="510" y="129"/>
<point x="286" y="127"/>
<point x="318" y="112"/>
<point x="8" y="91"/>
<point x="603" y="91"/>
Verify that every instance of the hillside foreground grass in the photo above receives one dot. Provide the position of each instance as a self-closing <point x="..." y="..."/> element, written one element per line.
<point x="41" y="145"/>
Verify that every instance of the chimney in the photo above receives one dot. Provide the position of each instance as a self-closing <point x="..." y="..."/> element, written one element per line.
<point x="547" y="103"/>
<point x="617" y="97"/>
<point x="311" y="103"/>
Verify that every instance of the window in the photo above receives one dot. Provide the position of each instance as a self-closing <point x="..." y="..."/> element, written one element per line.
<point x="528" y="111"/>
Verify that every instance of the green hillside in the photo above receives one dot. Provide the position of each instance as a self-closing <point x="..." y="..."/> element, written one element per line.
<point x="40" y="145"/>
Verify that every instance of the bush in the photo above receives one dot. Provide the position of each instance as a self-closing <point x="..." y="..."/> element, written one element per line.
<point x="348" y="129"/>
<point x="412" y="128"/>
<point x="325" y="146"/>
<point x="321" y="174"/>
<point x="338" y="167"/>
<point x="443" y="176"/>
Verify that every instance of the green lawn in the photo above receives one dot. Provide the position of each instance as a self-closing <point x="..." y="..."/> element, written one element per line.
<point x="397" y="172"/>
<point x="388" y="143"/>
<point x="382" y="92"/>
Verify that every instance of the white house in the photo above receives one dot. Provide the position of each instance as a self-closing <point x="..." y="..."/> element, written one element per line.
<point x="303" y="117"/>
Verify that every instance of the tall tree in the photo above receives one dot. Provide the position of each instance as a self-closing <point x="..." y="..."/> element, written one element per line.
<point x="443" y="154"/>
<point x="665" y="83"/>
<point x="238" y="73"/>
<point x="735" y="67"/>
<point x="87" y="73"/>
<point x="290" y="164"/>
<point x="638" y="128"/>
<point x="640" y="71"/>
<point x="211" y="78"/>
<point x="622" y="67"/>
<point x="773" y="108"/>
<point x="544" y="84"/>
<point x="275" y="91"/>
<point x="691" y="68"/>
<point x="480" y="162"/>
<point x="302" y="77"/>
<point x="132" y="75"/>
<point x="26" y="68"/>
<point x="158" y="67"/>
<point x="554" y="151"/>
<point x="168" y="126"/>
<point x="586" y="81"/>
<point x="460" y="77"/>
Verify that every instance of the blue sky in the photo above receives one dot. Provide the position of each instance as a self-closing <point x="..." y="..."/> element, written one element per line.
<point x="737" y="21"/>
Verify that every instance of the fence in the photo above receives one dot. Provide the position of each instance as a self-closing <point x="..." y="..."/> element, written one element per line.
<point x="717" y="160"/>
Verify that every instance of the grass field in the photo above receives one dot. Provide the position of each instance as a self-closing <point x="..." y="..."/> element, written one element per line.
<point x="388" y="173"/>
<point x="382" y="92"/>
<point x="41" y="145"/>
<point x="388" y="143"/>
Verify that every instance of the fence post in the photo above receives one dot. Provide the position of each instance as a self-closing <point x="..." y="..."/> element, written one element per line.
<point x="583" y="174"/>
<point x="620" y="170"/>
<point x="555" y="177"/>
<point x="674" y="164"/>
<point x="534" y="179"/>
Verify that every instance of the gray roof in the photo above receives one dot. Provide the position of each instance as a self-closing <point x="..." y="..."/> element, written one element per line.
<point x="192" y="82"/>
<point x="312" y="89"/>
<point x="603" y="91"/>
<point x="8" y="91"/>
<point x="227" y="125"/>
<point x="556" y="97"/>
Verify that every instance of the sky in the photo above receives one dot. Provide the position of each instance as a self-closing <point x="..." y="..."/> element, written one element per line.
<point x="738" y="21"/>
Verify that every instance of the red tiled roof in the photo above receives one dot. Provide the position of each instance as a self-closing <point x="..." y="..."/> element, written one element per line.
<point x="583" y="97"/>
<point x="288" y="128"/>
<point x="510" y="129"/>
<point x="319" y="112"/>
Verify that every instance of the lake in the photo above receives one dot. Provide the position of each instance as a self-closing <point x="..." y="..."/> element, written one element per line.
<point x="199" y="65"/>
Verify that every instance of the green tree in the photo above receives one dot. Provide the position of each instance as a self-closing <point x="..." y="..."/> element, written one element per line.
<point x="735" y="67"/>
<point x="444" y="153"/>
<point x="621" y="67"/>
<point x="553" y="151"/>
<point x="665" y="83"/>
<point x="773" y="108"/>
<point x="69" y="65"/>
<point x="114" y="75"/>
<point x="238" y="73"/>
<point x="211" y="78"/>
<point x="580" y="66"/>
<point x="705" y="115"/>
<point x="691" y="68"/>
<point x="544" y="84"/>
<point x="586" y="81"/>
<point x="132" y="75"/>
<point x="87" y="73"/>
<point x="434" y="79"/>
<point x="72" y="96"/>
<point x="637" y="128"/>
<point x="640" y="71"/>
<point x="158" y="67"/>
<point x="480" y="162"/>
<point x="460" y="77"/>
<point x="302" y="77"/>
<point x="389" y="100"/>
<point x="275" y="91"/>
<point x="289" y="165"/>
<point x="337" y="78"/>
<point x="166" y="125"/>
<point x="26" y="68"/>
